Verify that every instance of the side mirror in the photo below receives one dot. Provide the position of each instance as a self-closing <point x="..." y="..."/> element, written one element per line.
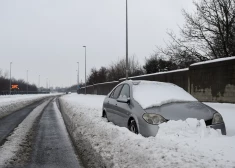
<point x="124" y="100"/>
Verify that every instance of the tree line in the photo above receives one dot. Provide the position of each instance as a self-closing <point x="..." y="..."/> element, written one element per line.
<point x="208" y="33"/>
<point x="22" y="85"/>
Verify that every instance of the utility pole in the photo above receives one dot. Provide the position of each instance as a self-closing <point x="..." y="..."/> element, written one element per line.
<point x="10" y="78"/>
<point x="85" y="68"/>
<point x="127" y="65"/>
<point x="46" y="84"/>
<point x="27" y="83"/>
<point x="78" y="76"/>
<point x="38" y="82"/>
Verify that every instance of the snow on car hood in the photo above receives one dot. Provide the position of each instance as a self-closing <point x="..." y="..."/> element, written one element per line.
<point x="150" y="94"/>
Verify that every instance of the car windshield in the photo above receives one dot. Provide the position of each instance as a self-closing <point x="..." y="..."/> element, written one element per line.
<point x="149" y="94"/>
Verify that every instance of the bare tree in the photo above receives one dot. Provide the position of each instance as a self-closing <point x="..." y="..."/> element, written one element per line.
<point x="115" y="71"/>
<point x="156" y="63"/>
<point x="118" y="70"/>
<point x="208" y="33"/>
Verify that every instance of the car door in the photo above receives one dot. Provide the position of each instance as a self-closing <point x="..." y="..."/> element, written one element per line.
<point x="112" y="105"/>
<point x="124" y="109"/>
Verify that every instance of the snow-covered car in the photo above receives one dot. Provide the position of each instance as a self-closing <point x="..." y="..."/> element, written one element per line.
<point x="142" y="105"/>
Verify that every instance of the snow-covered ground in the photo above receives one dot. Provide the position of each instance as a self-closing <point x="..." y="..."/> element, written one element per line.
<point x="11" y="103"/>
<point x="178" y="144"/>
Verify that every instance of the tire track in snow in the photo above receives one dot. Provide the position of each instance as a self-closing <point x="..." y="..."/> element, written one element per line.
<point x="13" y="143"/>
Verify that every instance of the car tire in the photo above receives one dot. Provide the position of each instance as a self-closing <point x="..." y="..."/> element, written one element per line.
<point x="133" y="127"/>
<point x="105" y="115"/>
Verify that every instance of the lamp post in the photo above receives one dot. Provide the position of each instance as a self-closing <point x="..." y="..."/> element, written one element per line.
<point x="38" y="82"/>
<point x="78" y="76"/>
<point x="27" y="83"/>
<point x="85" y="68"/>
<point x="127" y="65"/>
<point x="10" y="78"/>
<point x="49" y="84"/>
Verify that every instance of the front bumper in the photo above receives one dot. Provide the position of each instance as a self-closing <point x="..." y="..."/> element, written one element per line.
<point x="148" y="130"/>
<point x="221" y="127"/>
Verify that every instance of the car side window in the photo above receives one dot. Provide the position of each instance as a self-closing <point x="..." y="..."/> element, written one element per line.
<point x="116" y="92"/>
<point x="125" y="91"/>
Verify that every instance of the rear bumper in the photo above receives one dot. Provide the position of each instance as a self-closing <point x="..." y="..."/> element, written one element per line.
<point x="219" y="126"/>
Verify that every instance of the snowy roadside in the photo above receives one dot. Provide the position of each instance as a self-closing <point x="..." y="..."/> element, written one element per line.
<point x="179" y="144"/>
<point x="11" y="103"/>
<point x="10" y="148"/>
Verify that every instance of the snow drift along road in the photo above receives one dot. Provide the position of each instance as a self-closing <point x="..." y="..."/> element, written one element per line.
<point x="11" y="103"/>
<point x="178" y="144"/>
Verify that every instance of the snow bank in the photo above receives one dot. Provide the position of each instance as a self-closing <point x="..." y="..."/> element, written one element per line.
<point x="11" y="103"/>
<point x="179" y="144"/>
<point x="149" y="94"/>
<point x="13" y="143"/>
<point x="191" y="128"/>
<point x="194" y="134"/>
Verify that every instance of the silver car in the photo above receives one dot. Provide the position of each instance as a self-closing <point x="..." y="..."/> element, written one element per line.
<point x="122" y="108"/>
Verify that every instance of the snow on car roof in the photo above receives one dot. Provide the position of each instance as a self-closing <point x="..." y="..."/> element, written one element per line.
<point x="150" y="94"/>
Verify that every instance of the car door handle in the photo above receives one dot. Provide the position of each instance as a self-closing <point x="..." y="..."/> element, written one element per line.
<point x="116" y="104"/>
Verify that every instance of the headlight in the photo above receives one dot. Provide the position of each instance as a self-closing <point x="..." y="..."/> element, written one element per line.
<point x="217" y="119"/>
<point x="154" y="119"/>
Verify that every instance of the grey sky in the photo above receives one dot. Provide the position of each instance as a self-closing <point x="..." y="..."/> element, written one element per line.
<point x="46" y="36"/>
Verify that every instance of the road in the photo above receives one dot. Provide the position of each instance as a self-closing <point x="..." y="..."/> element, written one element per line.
<point x="10" y="122"/>
<point x="47" y="144"/>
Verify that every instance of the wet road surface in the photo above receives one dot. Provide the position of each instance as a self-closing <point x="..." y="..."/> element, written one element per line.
<point x="10" y="122"/>
<point x="52" y="147"/>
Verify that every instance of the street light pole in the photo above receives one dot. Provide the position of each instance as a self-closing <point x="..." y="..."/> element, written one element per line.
<point x="85" y="68"/>
<point x="78" y="76"/>
<point x="27" y="83"/>
<point x="127" y="65"/>
<point x="39" y="83"/>
<point x="10" y="78"/>
<point x="49" y="85"/>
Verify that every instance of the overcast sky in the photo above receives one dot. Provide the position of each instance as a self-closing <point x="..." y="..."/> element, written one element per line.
<point x="46" y="36"/>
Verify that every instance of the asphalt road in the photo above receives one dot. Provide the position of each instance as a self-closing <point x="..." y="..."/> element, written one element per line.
<point x="10" y="122"/>
<point x="53" y="147"/>
<point x="48" y="144"/>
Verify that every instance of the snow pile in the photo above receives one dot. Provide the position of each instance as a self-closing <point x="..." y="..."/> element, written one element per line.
<point x="149" y="94"/>
<point x="11" y="103"/>
<point x="106" y="145"/>
<point x="13" y="143"/>
<point x="190" y="128"/>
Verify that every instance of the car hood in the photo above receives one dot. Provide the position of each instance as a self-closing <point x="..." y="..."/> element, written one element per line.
<point x="184" y="110"/>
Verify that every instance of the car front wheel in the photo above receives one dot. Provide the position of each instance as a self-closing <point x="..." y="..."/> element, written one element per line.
<point x="105" y="116"/>
<point x="133" y="127"/>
